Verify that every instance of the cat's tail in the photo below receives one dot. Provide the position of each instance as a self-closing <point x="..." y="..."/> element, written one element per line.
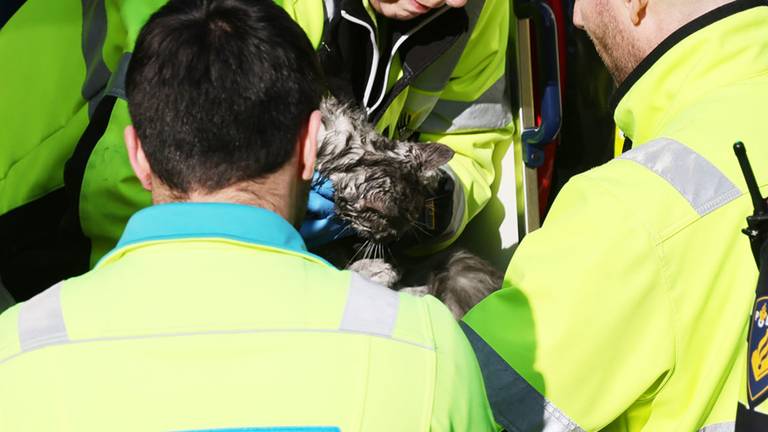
<point x="463" y="282"/>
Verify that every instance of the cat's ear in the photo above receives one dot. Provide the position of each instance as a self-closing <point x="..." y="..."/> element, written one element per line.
<point x="432" y="155"/>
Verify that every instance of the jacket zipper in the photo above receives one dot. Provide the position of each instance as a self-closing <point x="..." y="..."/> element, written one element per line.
<point x="396" y="46"/>
<point x="374" y="60"/>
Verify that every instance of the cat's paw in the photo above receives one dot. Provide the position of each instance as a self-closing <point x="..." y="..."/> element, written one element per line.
<point x="418" y="291"/>
<point x="377" y="270"/>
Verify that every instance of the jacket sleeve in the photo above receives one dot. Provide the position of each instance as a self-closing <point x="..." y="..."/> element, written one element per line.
<point x="473" y="115"/>
<point x="582" y="328"/>
<point x="42" y="100"/>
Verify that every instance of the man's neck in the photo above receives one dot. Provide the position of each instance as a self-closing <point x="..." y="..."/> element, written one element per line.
<point x="253" y="194"/>
<point x="687" y="69"/>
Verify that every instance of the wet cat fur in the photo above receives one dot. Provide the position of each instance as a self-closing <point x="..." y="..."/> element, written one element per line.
<point x="458" y="278"/>
<point x="380" y="188"/>
<point x="380" y="184"/>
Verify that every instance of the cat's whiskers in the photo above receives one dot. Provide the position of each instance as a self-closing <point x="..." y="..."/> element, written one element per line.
<point x="365" y="251"/>
<point x="369" y="250"/>
<point x="372" y="251"/>
<point x="422" y="226"/>
<point x="388" y="251"/>
<point x="419" y="229"/>
<point x="351" y="260"/>
<point x="346" y="227"/>
<point x="416" y="234"/>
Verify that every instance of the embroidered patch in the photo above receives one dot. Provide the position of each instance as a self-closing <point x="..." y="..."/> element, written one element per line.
<point x="404" y="131"/>
<point x="757" y="356"/>
<point x="430" y="214"/>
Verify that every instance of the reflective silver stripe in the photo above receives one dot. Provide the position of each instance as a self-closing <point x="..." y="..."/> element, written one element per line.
<point x="516" y="405"/>
<point x="704" y="186"/>
<point x="370" y="308"/>
<point x="459" y="204"/>
<point x="41" y="321"/>
<point x="116" y="86"/>
<point x="330" y="10"/>
<point x="286" y="331"/>
<point x="720" y="427"/>
<point x="490" y="111"/>
<point x="94" y="35"/>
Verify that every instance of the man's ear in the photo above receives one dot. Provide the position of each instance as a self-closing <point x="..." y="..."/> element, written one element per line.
<point x="308" y="143"/>
<point x="636" y="10"/>
<point x="138" y="159"/>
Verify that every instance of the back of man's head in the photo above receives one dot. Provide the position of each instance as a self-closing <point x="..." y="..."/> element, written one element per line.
<point x="219" y="91"/>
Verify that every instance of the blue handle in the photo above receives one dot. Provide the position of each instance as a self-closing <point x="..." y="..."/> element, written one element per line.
<point x="551" y="104"/>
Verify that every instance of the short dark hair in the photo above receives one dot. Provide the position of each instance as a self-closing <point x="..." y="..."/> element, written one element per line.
<point x="219" y="91"/>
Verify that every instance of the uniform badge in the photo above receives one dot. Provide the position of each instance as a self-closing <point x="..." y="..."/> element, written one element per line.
<point x="757" y="357"/>
<point x="404" y="130"/>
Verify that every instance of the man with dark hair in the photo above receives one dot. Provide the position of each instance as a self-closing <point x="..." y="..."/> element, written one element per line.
<point x="432" y="70"/>
<point x="210" y="313"/>
<point x="215" y="106"/>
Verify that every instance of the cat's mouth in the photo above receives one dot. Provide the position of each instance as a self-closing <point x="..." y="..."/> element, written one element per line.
<point x="383" y="231"/>
<point x="374" y="220"/>
<point x="378" y="236"/>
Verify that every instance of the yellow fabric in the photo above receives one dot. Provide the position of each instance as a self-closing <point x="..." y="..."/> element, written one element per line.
<point x="271" y="353"/>
<point x="481" y="65"/>
<point x="43" y="112"/>
<point x="306" y="13"/>
<point x="627" y="310"/>
<point x="618" y="143"/>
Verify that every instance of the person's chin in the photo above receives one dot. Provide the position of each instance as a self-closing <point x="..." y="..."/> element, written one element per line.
<point x="410" y="10"/>
<point x="418" y="8"/>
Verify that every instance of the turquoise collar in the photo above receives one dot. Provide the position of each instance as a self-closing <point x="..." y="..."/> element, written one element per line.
<point x="211" y="220"/>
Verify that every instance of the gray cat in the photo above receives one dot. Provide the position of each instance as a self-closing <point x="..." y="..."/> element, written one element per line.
<point x="381" y="186"/>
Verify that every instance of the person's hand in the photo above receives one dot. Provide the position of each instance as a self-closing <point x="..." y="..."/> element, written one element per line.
<point x="321" y="225"/>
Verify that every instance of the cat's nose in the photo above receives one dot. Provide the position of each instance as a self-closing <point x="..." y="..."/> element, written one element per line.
<point x="385" y="237"/>
<point x="382" y="207"/>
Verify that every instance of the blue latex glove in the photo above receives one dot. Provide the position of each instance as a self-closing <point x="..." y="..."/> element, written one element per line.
<point x="321" y="225"/>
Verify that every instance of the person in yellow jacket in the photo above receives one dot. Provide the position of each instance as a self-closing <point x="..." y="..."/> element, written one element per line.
<point x="210" y="314"/>
<point x="628" y="309"/>
<point x="438" y="76"/>
<point x="432" y="70"/>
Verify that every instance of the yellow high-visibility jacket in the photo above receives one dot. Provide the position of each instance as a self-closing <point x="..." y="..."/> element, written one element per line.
<point x="215" y="317"/>
<point x="628" y="309"/>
